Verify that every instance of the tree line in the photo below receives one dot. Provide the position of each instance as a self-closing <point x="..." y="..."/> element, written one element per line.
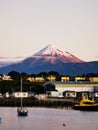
<point x="16" y="75"/>
<point x="37" y="87"/>
<point x="14" y="85"/>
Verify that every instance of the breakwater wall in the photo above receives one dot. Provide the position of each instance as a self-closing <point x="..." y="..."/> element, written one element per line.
<point x="31" y="102"/>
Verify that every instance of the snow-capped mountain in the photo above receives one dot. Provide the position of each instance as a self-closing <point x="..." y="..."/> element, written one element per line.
<point x="52" y="59"/>
<point x="53" y="54"/>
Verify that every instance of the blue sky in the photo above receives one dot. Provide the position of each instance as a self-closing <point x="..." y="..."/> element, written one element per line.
<point x="26" y="26"/>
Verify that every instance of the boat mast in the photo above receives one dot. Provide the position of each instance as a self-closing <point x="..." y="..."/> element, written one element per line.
<point x="21" y="91"/>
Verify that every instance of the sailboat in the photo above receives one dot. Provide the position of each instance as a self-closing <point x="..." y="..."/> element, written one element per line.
<point x="22" y="111"/>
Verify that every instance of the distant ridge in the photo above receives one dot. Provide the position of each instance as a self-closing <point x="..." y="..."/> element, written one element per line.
<point x="51" y="58"/>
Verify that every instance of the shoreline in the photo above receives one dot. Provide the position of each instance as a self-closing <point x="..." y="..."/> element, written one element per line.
<point x="31" y="102"/>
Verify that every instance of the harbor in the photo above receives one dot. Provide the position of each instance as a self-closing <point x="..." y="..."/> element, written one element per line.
<point x="40" y="118"/>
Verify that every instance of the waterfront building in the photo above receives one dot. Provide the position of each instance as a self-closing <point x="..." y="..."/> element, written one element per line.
<point x="31" y="79"/>
<point x="51" y="78"/>
<point x="36" y="79"/>
<point x="54" y="94"/>
<point x="0" y="77"/>
<point x="4" y="77"/>
<point x="79" y="78"/>
<point x="78" y="87"/>
<point x="20" y="94"/>
<point x="65" y="78"/>
<point x="96" y="91"/>
<point x="70" y="94"/>
<point x="93" y="79"/>
<point x="39" y="79"/>
<point x="7" y="95"/>
<point x="1" y="95"/>
<point x="75" y="86"/>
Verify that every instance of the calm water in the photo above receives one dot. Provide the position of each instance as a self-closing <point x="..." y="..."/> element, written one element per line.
<point x="48" y="119"/>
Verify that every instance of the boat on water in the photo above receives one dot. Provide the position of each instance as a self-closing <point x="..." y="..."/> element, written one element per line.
<point x="22" y="111"/>
<point x="86" y="105"/>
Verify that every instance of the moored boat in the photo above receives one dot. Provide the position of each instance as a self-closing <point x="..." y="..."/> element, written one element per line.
<point x="86" y="105"/>
<point x="22" y="111"/>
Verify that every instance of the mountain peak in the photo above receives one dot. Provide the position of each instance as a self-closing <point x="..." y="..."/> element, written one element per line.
<point x="53" y="53"/>
<point x="50" y="46"/>
<point x="49" y="50"/>
<point x="52" y="59"/>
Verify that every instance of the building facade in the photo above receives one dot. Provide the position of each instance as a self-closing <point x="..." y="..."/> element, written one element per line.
<point x="75" y="86"/>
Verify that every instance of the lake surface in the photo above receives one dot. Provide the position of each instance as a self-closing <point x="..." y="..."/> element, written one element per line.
<point x="48" y="119"/>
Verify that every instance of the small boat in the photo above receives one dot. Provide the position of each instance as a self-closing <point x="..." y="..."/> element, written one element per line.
<point x="22" y="111"/>
<point x="86" y="105"/>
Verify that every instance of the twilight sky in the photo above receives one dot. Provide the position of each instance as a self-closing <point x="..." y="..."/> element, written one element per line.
<point x="27" y="26"/>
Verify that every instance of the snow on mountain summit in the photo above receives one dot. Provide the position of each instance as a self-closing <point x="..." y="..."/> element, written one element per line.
<point x="52" y="53"/>
<point x="49" y="50"/>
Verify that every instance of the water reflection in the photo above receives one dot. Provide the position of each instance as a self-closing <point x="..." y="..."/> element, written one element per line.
<point x="48" y="119"/>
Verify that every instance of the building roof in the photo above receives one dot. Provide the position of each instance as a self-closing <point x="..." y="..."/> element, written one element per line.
<point x="73" y="82"/>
